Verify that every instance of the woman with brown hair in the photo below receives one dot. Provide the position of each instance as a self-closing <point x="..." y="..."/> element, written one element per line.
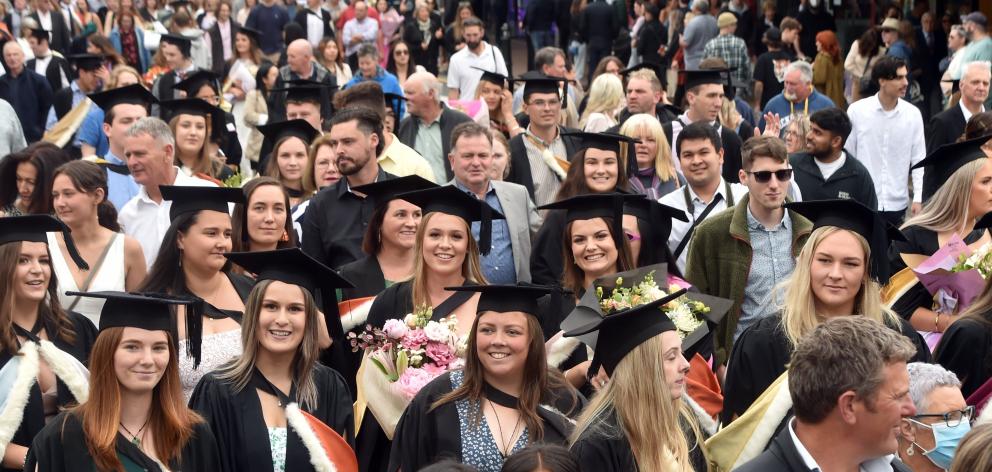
<point x="136" y="417"/>
<point x="262" y="223"/>
<point x="26" y="179"/>
<point x="97" y="43"/>
<point x="289" y="159"/>
<point x="195" y="124"/>
<point x="329" y="55"/>
<point x="42" y="347"/>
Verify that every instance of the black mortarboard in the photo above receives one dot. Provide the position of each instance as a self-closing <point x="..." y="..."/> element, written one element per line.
<point x="395" y="102"/>
<point x="609" y="142"/>
<point x="189" y="199"/>
<point x="273" y="132"/>
<point x="176" y="4"/>
<point x="493" y="77"/>
<point x="169" y="109"/>
<point x="86" y="61"/>
<point x="536" y="82"/>
<point x="252" y="33"/>
<point x="302" y="90"/>
<point x="384" y="191"/>
<point x="195" y="81"/>
<point x="152" y="312"/>
<point x="452" y="201"/>
<point x="853" y="216"/>
<point x="596" y="205"/>
<point x="292" y="266"/>
<point x="41" y="34"/>
<point x="659" y="216"/>
<point x="183" y="43"/>
<point x="507" y="298"/>
<point x="658" y="70"/>
<point x="955" y="85"/>
<point x="697" y="77"/>
<point x="133" y="94"/>
<point x="32" y="228"/>
<point x="944" y="161"/>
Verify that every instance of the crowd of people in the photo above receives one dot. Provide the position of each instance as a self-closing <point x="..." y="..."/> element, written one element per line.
<point x="339" y="235"/>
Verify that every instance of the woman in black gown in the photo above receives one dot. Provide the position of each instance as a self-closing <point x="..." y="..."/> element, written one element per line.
<point x="839" y="272"/>
<point x="31" y="313"/>
<point x="136" y="417"/>
<point x="506" y="380"/>
<point x="966" y="346"/>
<point x="255" y="403"/>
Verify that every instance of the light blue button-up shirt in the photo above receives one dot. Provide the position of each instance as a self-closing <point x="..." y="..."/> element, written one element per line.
<point x="771" y="263"/>
<point x="498" y="266"/>
<point x="121" y="188"/>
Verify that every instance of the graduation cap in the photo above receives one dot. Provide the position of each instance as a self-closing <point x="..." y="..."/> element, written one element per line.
<point x="195" y="106"/>
<point x="86" y="61"/>
<point x="853" y="216"/>
<point x="252" y="33"/>
<point x="183" y="43"/>
<point x="493" y="77"/>
<point x="133" y="94"/>
<point x="507" y="298"/>
<point x="33" y="228"/>
<point x="955" y="85"/>
<point x="152" y="312"/>
<point x="607" y="141"/>
<point x="385" y="191"/>
<point x="292" y="266"/>
<point x="302" y="90"/>
<point x="177" y="4"/>
<point x="698" y="77"/>
<point x="944" y="161"/>
<point x="190" y="199"/>
<point x="452" y="201"/>
<point x="273" y="132"/>
<point x="395" y="102"/>
<point x="536" y="82"/>
<point x="658" y="215"/>
<point x="195" y="81"/>
<point x="596" y="205"/>
<point x="41" y="34"/>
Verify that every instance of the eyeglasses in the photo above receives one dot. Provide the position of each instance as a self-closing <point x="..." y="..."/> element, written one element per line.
<point x="764" y="176"/>
<point x="951" y="418"/>
<point x="632" y="237"/>
<point x="401" y="52"/>
<point x="543" y="104"/>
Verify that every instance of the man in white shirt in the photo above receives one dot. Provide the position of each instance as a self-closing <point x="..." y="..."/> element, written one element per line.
<point x="150" y="148"/>
<point x="466" y="66"/>
<point x="850" y="394"/>
<point x="358" y="31"/>
<point x="887" y="137"/>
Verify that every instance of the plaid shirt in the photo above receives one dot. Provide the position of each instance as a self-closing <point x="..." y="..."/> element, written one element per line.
<point x="731" y="49"/>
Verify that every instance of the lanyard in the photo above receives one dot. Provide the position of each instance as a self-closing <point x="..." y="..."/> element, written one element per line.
<point x="792" y="109"/>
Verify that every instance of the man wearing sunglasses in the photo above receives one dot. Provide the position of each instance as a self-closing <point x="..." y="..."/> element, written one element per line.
<point x="745" y="251"/>
<point x="929" y="439"/>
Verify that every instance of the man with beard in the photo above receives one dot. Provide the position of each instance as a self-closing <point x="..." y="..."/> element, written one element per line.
<point x="826" y="171"/>
<point x="798" y="96"/>
<point x="335" y="222"/>
<point x="466" y="66"/>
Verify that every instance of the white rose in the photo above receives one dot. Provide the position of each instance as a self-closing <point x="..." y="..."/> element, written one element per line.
<point x="437" y="332"/>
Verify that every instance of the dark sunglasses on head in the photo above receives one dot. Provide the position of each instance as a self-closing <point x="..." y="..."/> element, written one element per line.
<point x="764" y="176"/>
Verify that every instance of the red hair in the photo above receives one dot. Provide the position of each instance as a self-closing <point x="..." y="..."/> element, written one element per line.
<point x="171" y="421"/>
<point x="828" y="41"/>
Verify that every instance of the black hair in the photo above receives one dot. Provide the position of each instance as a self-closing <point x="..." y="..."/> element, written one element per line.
<point x="263" y="71"/>
<point x="886" y="68"/>
<point x="448" y="465"/>
<point x="166" y="273"/>
<point x="367" y="120"/>
<point x="833" y="120"/>
<point x="549" y="457"/>
<point x="45" y="157"/>
<point x="698" y="130"/>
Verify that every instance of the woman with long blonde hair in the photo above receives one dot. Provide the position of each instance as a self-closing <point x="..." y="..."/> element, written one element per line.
<point x="656" y="173"/>
<point x="606" y="100"/>
<point x="195" y="123"/>
<point x="839" y="272"/>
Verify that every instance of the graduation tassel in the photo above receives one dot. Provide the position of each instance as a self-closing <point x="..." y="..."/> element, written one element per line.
<point x="71" y="247"/>
<point x="485" y="229"/>
<point x="617" y="228"/>
<point x="194" y="330"/>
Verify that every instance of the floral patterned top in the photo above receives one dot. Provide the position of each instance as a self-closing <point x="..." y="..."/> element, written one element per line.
<point x="480" y="448"/>
<point x="277" y="443"/>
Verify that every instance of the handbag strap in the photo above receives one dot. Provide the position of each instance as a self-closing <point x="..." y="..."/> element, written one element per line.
<point x="93" y="270"/>
<point x="702" y="217"/>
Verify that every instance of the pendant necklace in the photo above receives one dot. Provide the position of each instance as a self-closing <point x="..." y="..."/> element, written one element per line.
<point x="504" y="448"/>
<point x="135" y="438"/>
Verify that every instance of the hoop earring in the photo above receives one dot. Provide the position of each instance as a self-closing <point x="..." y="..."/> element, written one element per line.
<point x="910" y="451"/>
<point x="285" y="236"/>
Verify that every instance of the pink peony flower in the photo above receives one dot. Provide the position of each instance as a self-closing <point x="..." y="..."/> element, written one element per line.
<point x="412" y="381"/>
<point x="395" y="329"/>
<point x="414" y="339"/>
<point x="434" y="370"/>
<point x="440" y="353"/>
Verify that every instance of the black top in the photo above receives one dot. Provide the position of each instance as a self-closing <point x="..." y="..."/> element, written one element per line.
<point x="944" y="161"/>
<point x="61" y="447"/>
<point x="760" y="355"/>
<point x="335" y="223"/>
<point x="34" y="411"/>
<point x="291" y="266"/>
<point x="966" y="349"/>
<point x="242" y="436"/>
<point x="546" y="257"/>
<point x="366" y="275"/>
<point x="767" y="69"/>
<point x="852" y="180"/>
<point x="604" y="447"/>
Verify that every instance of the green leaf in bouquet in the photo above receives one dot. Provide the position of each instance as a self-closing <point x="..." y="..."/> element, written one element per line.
<point x="402" y="362"/>
<point x="382" y="369"/>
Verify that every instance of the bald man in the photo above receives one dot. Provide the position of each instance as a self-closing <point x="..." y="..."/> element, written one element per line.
<point x="27" y="91"/>
<point x="429" y="122"/>
<point x="300" y="64"/>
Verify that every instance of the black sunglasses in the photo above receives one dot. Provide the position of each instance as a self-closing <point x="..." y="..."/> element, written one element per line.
<point x="764" y="176"/>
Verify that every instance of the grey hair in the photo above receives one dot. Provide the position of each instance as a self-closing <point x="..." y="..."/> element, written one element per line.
<point x="154" y="127"/>
<point x="924" y="378"/>
<point x="984" y="66"/>
<point x="700" y="5"/>
<point x="804" y="68"/>
<point x="428" y="83"/>
<point x="368" y="50"/>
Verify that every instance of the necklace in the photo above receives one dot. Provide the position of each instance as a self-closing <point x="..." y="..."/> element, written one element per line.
<point x="504" y="448"/>
<point x="135" y="437"/>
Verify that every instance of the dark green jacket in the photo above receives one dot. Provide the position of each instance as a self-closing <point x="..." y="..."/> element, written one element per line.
<point x="719" y="262"/>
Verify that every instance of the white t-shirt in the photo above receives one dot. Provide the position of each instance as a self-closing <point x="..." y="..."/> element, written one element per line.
<point x="828" y="169"/>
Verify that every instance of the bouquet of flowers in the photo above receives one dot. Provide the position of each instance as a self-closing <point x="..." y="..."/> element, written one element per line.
<point x="687" y="314"/>
<point x="954" y="275"/>
<point x="402" y="357"/>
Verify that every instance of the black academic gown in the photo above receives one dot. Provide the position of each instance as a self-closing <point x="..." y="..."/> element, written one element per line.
<point x="426" y="435"/>
<point x="61" y="447"/>
<point x="366" y="274"/>
<point x="34" y="412"/>
<point x="601" y="451"/>
<point x="966" y="349"/>
<point x="242" y="437"/>
<point x="546" y="259"/>
<point x="760" y="356"/>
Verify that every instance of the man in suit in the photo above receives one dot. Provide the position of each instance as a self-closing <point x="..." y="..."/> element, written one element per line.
<point x="948" y="125"/>
<point x="54" y="22"/>
<point x="429" y="123"/>
<point x="850" y="392"/>
<point x="27" y="91"/>
<point x="53" y="67"/>
<point x="315" y="21"/>
<point x="508" y="262"/>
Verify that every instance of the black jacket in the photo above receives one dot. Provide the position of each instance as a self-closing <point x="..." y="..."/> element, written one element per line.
<point x="945" y="127"/>
<point x="449" y="119"/>
<point x="61" y="37"/>
<point x="651" y="37"/>
<point x="598" y="25"/>
<point x="852" y="180"/>
<point x="782" y="456"/>
<point x="217" y="46"/>
<point x="325" y="16"/>
<point x="520" y="163"/>
<point x="414" y="39"/>
<point x="53" y="73"/>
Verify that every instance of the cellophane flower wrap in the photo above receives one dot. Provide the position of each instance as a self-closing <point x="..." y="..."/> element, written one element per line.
<point x="955" y="275"/>
<point x="688" y="315"/>
<point x="411" y="352"/>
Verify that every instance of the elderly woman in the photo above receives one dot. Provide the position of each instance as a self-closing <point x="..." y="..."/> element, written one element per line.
<point x="929" y="439"/>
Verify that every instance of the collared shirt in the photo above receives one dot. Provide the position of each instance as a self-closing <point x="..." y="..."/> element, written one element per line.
<point x="45" y="18"/>
<point x="77" y="96"/>
<point x="402" y="160"/>
<point x="498" y="266"/>
<point x="225" y="39"/>
<point x="367" y="28"/>
<point x="120" y="188"/>
<point x="546" y="181"/>
<point x="428" y="144"/>
<point x="733" y="51"/>
<point x="461" y="72"/>
<point x="335" y="222"/>
<point x="771" y="263"/>
<point x="888" y="143"/>
<point x="881" y="464"/>
<point x="966" y="112"/>
<point x="676" y="199"/>
<point x="147" y="221"/>
<point x="315" y="26"/>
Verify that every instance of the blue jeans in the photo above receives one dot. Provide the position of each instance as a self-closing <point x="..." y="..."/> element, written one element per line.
<point x="540" y="39"/>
